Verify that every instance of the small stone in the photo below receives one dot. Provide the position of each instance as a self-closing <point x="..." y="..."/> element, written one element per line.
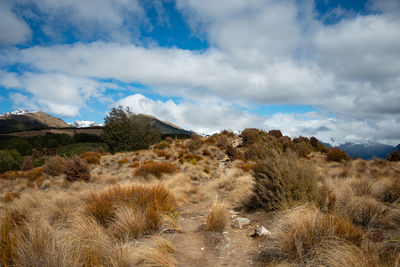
<point x="202" y="248"/>
<point x="240" y="222"/>
<point x="261" y="231"/>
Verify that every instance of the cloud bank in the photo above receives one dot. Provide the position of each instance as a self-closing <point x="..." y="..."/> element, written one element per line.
<point x="260" y="53"/>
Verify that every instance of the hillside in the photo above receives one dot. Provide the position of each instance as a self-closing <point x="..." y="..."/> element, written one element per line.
<point x="22" y="121"/>
<point x="224" y="200"/>
<point x="366" y="150"/>
<point x="29" y="120"/>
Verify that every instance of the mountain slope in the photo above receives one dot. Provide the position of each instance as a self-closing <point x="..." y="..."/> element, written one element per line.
<point x="165" y="128"/>
<point x="28" y="120"/>
<point x="367" y="150"/>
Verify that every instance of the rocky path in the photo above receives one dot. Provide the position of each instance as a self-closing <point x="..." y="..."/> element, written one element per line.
<point x="232" y="247"/>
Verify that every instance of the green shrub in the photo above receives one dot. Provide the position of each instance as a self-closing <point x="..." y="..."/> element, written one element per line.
<point x="87" y="138"/>
<point x="77" y="169"/>
<point x="10" y="160"/>
<point x="282" y="181"/>
<point x="125" y="131"/>
<point x="336" y="154"/>
<point x="77" y="149"/>
<point x="19" y="144"/>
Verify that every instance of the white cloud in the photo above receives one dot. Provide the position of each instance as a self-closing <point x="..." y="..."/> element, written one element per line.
<point x="89" y="19"/>
<point x="53" y="92"/>
<point x="261" y="52"/>
<point x="13" y="30"/>
<point x="214" y="115"/>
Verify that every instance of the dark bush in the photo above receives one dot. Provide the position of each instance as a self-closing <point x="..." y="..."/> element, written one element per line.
<point x="21" y="145"/>
<point x="394" y="156"/>
<point x="195" y="142"/>
<point x="283" y="181"/>
<point x="10" y="160"/>
<point x="77" y="169"/>
<point x="87" y="138"/>
<point x="252" y="135"/>
<point x="54" y="166"/>
<point x="125" y="131"/>
<point x="233" y="153"/>
<point x="27" y="165"/>
<point x="276" y="133"/>
<point x="336" y="154"/>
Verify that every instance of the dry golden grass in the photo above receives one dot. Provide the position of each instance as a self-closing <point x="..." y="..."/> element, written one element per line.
<point x="92" y="157"/>
<point x="156" y="169"/>
<point x="129" y="223"/>
<point x="152" y="201"/>
<point x="303" y="229"/>
<point x="217" y="217"/>
<point x="157" y="254"/>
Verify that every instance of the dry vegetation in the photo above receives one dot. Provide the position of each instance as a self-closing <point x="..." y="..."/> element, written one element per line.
<point x="123" y="209"/>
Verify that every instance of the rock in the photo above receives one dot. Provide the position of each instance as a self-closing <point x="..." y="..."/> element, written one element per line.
<point x="261" y="231"/>
<point x="237" y="142"/>
<point x="240" y="222"/>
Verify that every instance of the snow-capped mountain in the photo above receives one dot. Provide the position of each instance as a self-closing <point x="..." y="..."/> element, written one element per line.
<point x="17" y="112"/>
<point x="25" y="120"/>
<point x="84" y="124"/>
<point x="366" y="149"/>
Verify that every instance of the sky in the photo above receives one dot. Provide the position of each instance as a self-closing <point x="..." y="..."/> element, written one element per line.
<point x="323" y="68"/>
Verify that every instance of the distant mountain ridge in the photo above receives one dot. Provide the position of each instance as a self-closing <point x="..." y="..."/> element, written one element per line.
<point x="367" y="150"/>
<point x="25" y="120"/>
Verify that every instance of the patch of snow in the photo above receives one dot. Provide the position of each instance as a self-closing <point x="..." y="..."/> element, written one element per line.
<point x="18" y="112"/>
<point x="84" y="124"/>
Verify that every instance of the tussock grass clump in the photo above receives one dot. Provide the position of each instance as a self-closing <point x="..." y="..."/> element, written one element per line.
<point x="34" y="174"/>
<point x="362" y="210"/>
<point x="121" y="162"/>
<point x="282" y="181"/>
<point x="157" y="254"/>
<point x="163" y="153"/>
<point x="302" y="230"/>
<point x="338" y="155"/>
<point x="138" y="200"/>
<point x="8" y="241"/>
<point x="92" y="157"/>
<point x="77" y="169"/>
<point x="54" y="166"/>
<point x="217" y="217"/>
<point x="156" y="169"/>
<point x="129" y="223"/>
<point x="163" y="145"/>
<point x="387" y="190"/>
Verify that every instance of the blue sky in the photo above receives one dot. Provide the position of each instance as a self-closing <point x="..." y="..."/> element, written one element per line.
<point x="326" y="68"/>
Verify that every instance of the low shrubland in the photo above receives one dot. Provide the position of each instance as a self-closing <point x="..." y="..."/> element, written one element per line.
<point x="156" y="169"/>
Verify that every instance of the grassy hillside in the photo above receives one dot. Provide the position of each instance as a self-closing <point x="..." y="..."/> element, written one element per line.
<point x="184" y="202"/>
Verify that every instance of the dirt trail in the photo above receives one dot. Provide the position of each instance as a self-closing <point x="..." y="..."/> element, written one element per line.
<point x="196" y="247"/>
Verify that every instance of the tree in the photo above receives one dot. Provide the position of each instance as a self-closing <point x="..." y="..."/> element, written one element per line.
<point x="125" y="131"/>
